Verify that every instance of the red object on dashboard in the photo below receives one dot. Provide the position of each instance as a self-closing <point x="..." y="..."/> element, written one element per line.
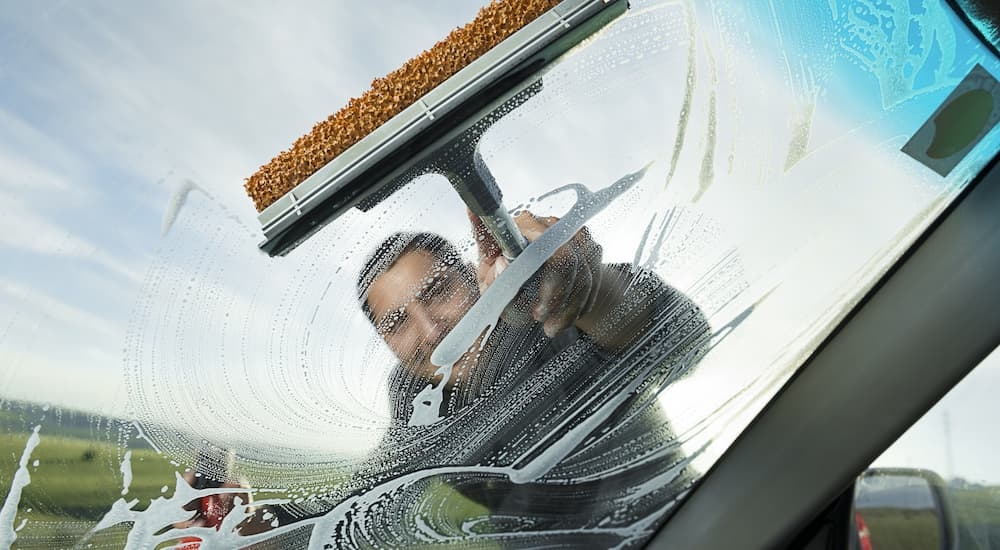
<point x="212" y="512"/>
<point x="864" y="535"/>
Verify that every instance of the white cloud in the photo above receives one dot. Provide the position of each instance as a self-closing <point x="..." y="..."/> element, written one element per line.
<point x="18" y="172"/>
<point x="113" y="98"/>
<point x="67" y="381"/>
<point x="43" y="187"/>
<point x="85" y="326"/>
<point x="32" y="155"/>
<point x="159" y="90"/>
<point x="26" y="227"/>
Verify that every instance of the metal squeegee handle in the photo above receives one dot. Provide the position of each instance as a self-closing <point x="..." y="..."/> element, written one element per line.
<point x="480" y="192"/>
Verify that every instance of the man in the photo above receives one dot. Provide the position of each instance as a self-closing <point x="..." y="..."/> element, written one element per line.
<point x="551" y="421"/>
<point x="585" y="344"/>
<point x="415" y="288"/>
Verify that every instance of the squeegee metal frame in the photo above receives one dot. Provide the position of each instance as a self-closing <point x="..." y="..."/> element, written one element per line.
<point x="383" y="154"/>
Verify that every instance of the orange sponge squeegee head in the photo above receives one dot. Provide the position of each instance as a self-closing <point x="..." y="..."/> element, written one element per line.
<point x="433" y="108"/>
<point x="388" y="96"/>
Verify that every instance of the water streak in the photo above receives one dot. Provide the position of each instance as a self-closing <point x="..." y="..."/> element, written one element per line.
<point x="21" y="479"/>
<point x="689" y="85"/>
<point x="149" y="440"/>
<point x="177" y="200"/>
<point x="707" y="175"/>
<point x="155" y="525"/>
<point x="126" y="470"/>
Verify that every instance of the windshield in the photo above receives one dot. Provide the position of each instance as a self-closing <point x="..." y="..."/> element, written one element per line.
<point x="709" y="188"/>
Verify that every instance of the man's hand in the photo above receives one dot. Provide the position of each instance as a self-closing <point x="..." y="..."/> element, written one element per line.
<point x="568" y="284"/>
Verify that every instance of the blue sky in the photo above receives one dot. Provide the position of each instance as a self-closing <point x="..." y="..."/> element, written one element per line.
<point x="108" y="110"/>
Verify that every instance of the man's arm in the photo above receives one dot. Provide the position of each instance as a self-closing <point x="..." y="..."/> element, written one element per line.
<point x="576" y="289"/>
<point x="603" y="323"/>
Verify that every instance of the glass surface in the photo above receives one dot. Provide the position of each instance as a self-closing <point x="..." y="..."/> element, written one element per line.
<point x="748" y="189"/>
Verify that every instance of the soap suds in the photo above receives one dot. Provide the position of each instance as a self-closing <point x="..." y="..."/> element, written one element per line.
<point x="8" y="513"/>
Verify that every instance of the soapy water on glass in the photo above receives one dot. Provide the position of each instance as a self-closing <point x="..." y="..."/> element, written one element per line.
<point x="148" y="525"/>
<point x="484" y="314"/>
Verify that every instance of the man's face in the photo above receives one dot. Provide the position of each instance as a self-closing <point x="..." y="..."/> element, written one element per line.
<point x="416" y="303"/>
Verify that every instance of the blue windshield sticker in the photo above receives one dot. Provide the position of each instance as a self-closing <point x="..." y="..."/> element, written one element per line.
<point x="959" y="124"/>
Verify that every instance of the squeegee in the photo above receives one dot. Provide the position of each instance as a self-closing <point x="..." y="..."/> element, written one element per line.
<point x="426" y="117"/>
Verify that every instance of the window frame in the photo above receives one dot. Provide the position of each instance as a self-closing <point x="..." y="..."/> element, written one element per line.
<point x="966" y="18"/>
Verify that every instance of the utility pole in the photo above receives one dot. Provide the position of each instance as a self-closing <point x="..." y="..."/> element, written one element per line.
<point x="950" y="455"/>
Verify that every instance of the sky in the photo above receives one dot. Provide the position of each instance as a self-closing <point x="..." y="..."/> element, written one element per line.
<point x="132" y="285"/>
<point x="114" y="110"/>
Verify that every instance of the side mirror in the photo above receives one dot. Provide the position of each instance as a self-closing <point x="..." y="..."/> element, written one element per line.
<point x="903" y="508"/>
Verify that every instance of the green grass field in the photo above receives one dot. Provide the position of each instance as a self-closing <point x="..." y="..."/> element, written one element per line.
<point x="80" y="479"/>
<point x="977" y="515"/>
<point x="77" y="478"/>
<point x="902" y="530"/>
<point x="73" y="485"/>
<point x="977" y="511"/>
